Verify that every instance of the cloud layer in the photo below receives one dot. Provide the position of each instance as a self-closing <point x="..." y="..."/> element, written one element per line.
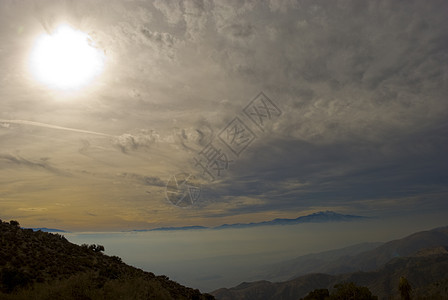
<point x="361" y="88"/>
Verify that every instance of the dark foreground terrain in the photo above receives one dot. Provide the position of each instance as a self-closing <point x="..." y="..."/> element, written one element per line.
<point x="41" y="265"/>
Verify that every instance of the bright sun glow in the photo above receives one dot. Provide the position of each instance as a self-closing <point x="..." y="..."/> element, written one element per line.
<point x="66" y="59"/>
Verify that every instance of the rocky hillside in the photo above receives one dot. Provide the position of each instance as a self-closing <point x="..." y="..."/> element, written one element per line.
<point x="426" y="274"/>
<point x="41" y="265"/>
<point x="422" y="258"/>
<point x="362" y="257"/>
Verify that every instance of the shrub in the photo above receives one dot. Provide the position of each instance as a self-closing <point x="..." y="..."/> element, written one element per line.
<point x="116" y="259"/>
<point x="93" y="247"/>
<point x="318" y="294"/>
<point x="350" y="291"/>
<point x="14" y="223"/>
<point x="14" y="278"/>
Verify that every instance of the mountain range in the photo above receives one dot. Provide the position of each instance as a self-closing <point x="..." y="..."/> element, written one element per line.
<point x="421" y="257"/>
<point x="318" y="217"/>
<point x="330" y="262"/>
<point x="45" y="229"/>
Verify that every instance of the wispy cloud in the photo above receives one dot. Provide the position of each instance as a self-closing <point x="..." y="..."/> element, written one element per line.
<point x="8" y="160"/>
<point x="31" y="123"/>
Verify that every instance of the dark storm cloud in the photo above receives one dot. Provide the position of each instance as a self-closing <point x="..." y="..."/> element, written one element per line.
<point x="298" y="175"/>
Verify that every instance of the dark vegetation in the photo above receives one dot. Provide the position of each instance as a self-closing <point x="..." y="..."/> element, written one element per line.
<point x="343" y="291"/>
<point x="41" y="265"/>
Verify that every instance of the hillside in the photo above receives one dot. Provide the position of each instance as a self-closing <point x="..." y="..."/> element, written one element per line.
<point x="421" y="257"/>
<point x="361" y="257"/>
<point x="422" y="272"/>
<point x="322" y="262"/>
<point x="373" y="259"/>
<point x="43" y="265"/>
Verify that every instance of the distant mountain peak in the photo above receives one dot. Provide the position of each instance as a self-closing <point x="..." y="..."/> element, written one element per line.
<point x="317" y="217"/>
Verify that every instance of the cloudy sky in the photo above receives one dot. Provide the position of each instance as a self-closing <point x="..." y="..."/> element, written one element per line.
<point x="352" y="116"/>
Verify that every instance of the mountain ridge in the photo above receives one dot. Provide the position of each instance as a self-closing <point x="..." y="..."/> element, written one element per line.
<point x="339" y="261"/>
<point x="317" y="217"/>
<point x="45" y="229"/>
<point x="312" y="262"/>
<point x="422" y="258"/>
<point x="383" y="282"/>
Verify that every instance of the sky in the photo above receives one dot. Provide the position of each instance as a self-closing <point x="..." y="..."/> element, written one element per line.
<point x="257" y="109"/>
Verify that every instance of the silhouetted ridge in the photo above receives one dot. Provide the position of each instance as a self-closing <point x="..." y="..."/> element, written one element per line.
<point x="46" y="266"/>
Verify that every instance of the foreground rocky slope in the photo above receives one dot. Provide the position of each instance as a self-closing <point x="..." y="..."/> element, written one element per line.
<point x="41" y="265"/>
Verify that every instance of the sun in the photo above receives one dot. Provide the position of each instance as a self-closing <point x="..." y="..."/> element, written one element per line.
<point x="66" y="59"/>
